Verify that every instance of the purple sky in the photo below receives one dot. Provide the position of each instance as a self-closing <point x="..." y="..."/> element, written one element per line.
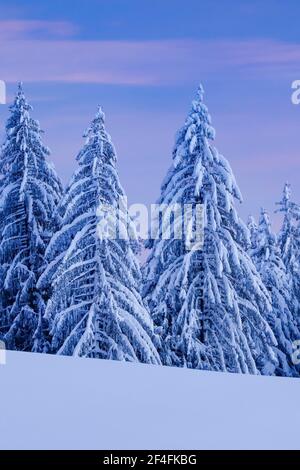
<point x="142" y="61"/>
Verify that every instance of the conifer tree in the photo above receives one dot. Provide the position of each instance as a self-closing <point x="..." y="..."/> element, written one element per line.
<point x="30" y="191"/>
<point x="266" y="255"/>
<point x="289" y="243"/>
<point x="96" y="309"/>
<point x="206" y="302"/>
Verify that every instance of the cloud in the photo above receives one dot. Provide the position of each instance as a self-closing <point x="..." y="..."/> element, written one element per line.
<point x="17" y="30"/>
<point x="158" y="62"/>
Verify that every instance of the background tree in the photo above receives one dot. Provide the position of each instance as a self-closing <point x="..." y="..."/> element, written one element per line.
<point x="30" y="191"/>
<point x="289" y="244"/>
<point x="267" y="257"/>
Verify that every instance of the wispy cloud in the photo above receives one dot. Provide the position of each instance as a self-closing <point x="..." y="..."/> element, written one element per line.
<point x="135" y="62"/>
<point x="17" y="30"/>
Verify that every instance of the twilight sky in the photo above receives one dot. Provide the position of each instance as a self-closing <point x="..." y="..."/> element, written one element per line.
<point x="142" y="61"/>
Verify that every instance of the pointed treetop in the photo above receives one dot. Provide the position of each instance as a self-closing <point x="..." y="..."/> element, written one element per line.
<point x="99" y="120"/>
<point x="97" y="127"/>
<point x="197" y="127"/>
<point x="264" y="215"/>
<point x="200" y="93"/>
<point x="252" y="225"/>
<point x="20" y="114"/>
<point x="265" y="228"/>
<point x="287" y="191"/>
<point x="100" y="114"/>
<point x="200" y="115"/>
<point x="286" y="205"/>
<point x="253" y="229"/>
<point x="264" y="220"/>
<point x="20" y="102"/>
<point x="20" y="95"/>
<point x="97" y="137"/>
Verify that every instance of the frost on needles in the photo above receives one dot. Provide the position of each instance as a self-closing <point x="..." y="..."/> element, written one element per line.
<point x="95" y="309"/>
<point x="208" y="305"/>
<point x="225" y="301"/>
<point x="30" y="191"/>
<point x="266" y="255"/>
<point x="289" y="243"/>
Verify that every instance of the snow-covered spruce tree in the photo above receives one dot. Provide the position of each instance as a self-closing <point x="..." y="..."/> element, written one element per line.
<point x="207" y="303"/>
<point x="96" y="309"/>
<point x="30" y="191"/>
<point x="289" y="244"/>
<point x="266" y="255"/>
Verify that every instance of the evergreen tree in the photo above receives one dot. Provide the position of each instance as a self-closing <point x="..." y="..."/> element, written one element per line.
<point x="96" y="309"/>
<point x="266" y="255"/>
<point x="289" y="243"/>
<point x="30" y="191"/>
<point x="206" y="302"/>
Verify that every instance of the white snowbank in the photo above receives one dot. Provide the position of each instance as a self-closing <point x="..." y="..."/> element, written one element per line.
<point x="50" y="402"/>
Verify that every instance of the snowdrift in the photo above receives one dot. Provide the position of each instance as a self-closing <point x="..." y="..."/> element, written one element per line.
<point x="51" y="402"/>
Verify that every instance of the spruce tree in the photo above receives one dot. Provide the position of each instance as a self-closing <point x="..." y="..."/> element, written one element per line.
<point x="206" y="302"/>
<point x="96" y="309"/>
<point x="30" y="191"/>
<point x="266" y="255"/>
<point x="289" y="243"/>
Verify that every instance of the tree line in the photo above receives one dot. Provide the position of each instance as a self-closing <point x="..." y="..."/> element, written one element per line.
<point x="232" y="305"/>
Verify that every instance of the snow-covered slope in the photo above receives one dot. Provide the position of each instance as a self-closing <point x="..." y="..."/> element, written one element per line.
<point x="51" y="402"/>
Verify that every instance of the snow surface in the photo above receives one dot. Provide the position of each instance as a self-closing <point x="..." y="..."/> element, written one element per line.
<point x="51" y="402"/>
